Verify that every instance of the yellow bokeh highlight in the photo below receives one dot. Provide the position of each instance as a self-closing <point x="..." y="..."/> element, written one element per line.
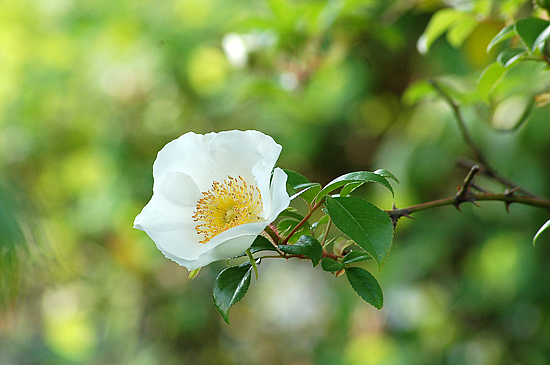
<point x="207" y="70"/>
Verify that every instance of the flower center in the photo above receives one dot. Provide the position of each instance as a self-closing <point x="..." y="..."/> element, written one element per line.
<point x="228" y="204"/>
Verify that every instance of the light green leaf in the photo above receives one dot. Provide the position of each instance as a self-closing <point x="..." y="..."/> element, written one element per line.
<point x="458" y="33"/>
<point x="529" y="30"/>
<point x="230" y="286"/>
<point x="512" y="112"/>
<point x="331" y="265"/>
<point x="370" y="227"/>
<point x="542" y="229"/>
<point x="489" y="78"/>
<point x="366" y="286"/>
<point x="506" y="33"/>
<point x="509" y="56"/>
<point x="417" y="91"/>
<point x="306" y="245"/>
<point x="360" y="176"/>
<point x="440" y="22"/>
<point x="356" y="256"/>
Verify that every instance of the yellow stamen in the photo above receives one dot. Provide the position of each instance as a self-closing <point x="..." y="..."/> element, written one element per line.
<point x="227" y="205"/>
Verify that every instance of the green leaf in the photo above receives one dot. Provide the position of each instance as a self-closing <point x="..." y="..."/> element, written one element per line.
<point x="506" y="33"/>
<point x="489" y="78"/>
<point x="331" y="265"/>
<point x="439" y="23"/>
<point x="310" y="192"/>
<point x="543" y="36"/>
<point x="349" y="188"/>
<point x="512" y="112"/>
<point x="529" y="30"/>
<point x="366" y="286"/>
<point x="230" y="286"/>
<point x="385" y="173"/>
<point x="459" y="32"/>
<point x="291" y="213"/>
<point x="262" y="244"/>
<point x="295" y="179"/>
<point x="360" y="176"/>
<point x="370" y="227"/>
<point x="417" y="91"/>
<point x="340" y="245"/>
<point x="509" y="56"/>
<point x="542" y="229"/>
<point x="356" y="256"/>
<point x="306" y="245"/>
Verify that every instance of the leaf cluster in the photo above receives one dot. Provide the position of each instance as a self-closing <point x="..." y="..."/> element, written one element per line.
<point x="365" y="233"/>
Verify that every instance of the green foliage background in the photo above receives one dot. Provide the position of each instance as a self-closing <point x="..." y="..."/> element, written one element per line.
<point x="91" y="90"/>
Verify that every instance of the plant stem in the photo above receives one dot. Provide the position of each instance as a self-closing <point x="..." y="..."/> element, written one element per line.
<point x="252" y="262"/>
<point x="303" y="221"/>
<point x="507" y="198"/>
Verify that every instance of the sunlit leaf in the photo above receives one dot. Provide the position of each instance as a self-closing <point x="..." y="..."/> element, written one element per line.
<point x="366" y="286"/>
<point x="370" y="227"/>
<point x="542" y="229"/>
<point x="490" y="77"/>
<point x="305" y="245"/>
<point x="230" y="286"/>
<point x="512" y="112"/>
<point x="458" y="33"/>
<point x="387" y="174"/>
<point x="440" y="22"/>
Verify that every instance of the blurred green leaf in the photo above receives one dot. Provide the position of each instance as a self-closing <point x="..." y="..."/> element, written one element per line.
<point x="356" y="256"/>
<point x="417" y="91"/>
<point x="512" y="112"/>
<point x="459" y="32"/>
<point x="331" y="265"/>
<point x="305" y="245"/>
<point x="370" y="227"/>
<point x="366" y="286"/>
<point x="360" y="176"/>
<point x="542" y="229"/>
<point x="231" y="286"/>
<point x="489" y="78"/>
<point x="506" y="33"/>
<point x="440" y="22"/>
<point x="529" y="30"/>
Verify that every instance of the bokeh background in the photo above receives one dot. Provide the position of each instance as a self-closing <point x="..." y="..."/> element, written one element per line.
<point x="91" y="90"/>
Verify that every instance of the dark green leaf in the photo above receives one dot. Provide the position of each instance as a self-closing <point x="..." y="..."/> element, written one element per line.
<point x="230" y="286"/>
<point x="262" y="244"/>
<point x="542" y="229"/>
<point x="331" y="265"/>
<point x="306" y="245"/>
<point x="506" y="33"/>
<point x="295" y="179"/>
<point x="366" y="286"/>
<point x="370" y="227"/>
<point x="356" y="256"/>
<point x="530" y="29"/>
<point x="360" y="176"/>
<point x="509" y="56"/>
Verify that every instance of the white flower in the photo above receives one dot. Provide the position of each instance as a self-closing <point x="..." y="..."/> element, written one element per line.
<point x="213" y="195"/>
